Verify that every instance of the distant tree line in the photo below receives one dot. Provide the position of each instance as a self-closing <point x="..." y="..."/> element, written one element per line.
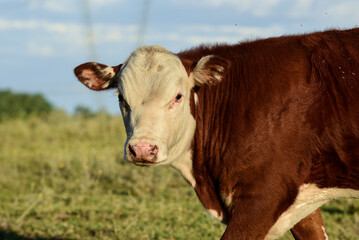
<point x="22" y="106"/>
<point x="85" y="112"/>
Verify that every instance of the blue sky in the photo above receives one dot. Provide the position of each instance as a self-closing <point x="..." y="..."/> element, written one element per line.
<point x="41" y="41"/>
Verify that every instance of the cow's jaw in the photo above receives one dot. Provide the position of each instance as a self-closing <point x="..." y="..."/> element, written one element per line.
<point x="159" y="127"/>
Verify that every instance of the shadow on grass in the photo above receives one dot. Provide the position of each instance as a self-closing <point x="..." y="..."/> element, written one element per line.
<point x="332" y="210"/>
<point x="14" y="236"/>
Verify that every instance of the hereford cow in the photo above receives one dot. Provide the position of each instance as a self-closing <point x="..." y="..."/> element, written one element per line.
<point x="265" y="131"/>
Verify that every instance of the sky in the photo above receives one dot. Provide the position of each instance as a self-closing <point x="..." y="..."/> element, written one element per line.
<point x="42" y="41"/>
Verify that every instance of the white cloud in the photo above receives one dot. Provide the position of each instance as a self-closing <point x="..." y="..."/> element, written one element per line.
<point x="16" y="24"/>
<point x="105" y="3"/>
<point x="63" y="6"/>
<point x="34" y="24"/>
<point x="113" y="33"/>
<point x="68" y="6"/>
<point x="58" y="6"/>
<point x="233" y="29"/>
<point x="295" y="9"/>
<point x="258" y="8"/>
<point x="46" y="38"/>
<point x="197" y="34"/>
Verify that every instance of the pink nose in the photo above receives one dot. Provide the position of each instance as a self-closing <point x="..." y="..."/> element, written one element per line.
<point x="143" y="152"/>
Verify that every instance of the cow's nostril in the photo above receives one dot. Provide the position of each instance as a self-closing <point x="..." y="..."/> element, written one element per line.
<point x="133" y="153"/>
<point x="153" y="150"/>
<point x="142" y="152"/>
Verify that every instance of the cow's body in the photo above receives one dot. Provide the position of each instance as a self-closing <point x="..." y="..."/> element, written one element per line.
<point x="276" y="127"/>
<point x="280" y="133"/>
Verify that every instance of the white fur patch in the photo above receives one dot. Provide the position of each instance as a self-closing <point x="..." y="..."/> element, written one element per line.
<point x="90" y="82"/>
<point x="91" y="77"/>
<point x="217" y="76"/>
<point x="220" y="68"/>
<point x="195" y="98"/>
<point x="309" y="198"/>
<point x="88" y="74"/>
<point x="105" y="85"/>
<point x="325" y="233"/>
<point x="184" y="166"/>
<point x="108" y="70"/>
<point x="227" y="199"/>
<point x="216" y="215"/>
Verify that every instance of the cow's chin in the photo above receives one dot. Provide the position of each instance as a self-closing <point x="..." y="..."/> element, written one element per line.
<point x="149" y="164"/>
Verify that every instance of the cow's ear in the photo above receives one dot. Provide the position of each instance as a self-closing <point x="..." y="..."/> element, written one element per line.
<point x="210" y="70"/>
<point x="97" y="76"/>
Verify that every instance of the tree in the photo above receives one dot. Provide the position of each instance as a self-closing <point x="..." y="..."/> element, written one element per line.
<point x="20" y="105"/>
<point x="82" y="111"/>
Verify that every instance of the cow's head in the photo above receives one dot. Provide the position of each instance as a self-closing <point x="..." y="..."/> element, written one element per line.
<point x="154" y="88"/>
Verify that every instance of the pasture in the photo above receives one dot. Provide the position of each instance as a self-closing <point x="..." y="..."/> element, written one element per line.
<point x="64" y="178"/>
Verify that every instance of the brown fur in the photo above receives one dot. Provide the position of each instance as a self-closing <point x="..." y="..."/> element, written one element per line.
<point x="285" y="114"/>
<point x="310" y="228"/>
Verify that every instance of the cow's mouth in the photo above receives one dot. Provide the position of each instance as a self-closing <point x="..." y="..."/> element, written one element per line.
<point x="144" y="163"/>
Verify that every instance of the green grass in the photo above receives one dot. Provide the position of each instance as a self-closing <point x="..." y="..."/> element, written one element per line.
<point x="64" y="178"/>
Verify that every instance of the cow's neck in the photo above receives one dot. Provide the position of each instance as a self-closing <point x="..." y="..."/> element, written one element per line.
<point x="210" y="106"/>
<point x="208" y="144"/>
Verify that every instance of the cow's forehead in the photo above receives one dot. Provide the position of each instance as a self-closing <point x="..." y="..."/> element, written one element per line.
<point x="148" y="56"/>
<point x="151" y="70"/>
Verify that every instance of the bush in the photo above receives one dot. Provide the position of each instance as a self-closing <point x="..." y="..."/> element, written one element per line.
<point x="82" y="111"/>
<point x="85" y="112"/>
<point x="20" y="105"/>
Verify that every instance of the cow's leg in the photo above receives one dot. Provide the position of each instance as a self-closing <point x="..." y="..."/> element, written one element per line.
<point x="257" y="206"/>
<point x="310" y="228"/>
<point x="252" y="218"/>
<point x="254" y="221"/>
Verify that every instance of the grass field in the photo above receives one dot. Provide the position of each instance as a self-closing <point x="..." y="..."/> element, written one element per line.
<point x="64" y="178"/>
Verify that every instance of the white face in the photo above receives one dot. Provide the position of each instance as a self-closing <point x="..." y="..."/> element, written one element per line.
<point x="154" y="94"/>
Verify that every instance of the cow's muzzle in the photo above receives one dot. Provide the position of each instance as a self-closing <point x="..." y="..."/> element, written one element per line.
<point x="143" y="153"/>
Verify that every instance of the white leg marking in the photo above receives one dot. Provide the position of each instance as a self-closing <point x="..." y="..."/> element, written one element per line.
<point x="216" y="215"/>
<point x="309" y="198"/>
<point x="325" y="233"/>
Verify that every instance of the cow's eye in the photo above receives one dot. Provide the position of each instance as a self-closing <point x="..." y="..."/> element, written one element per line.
<point x="178" y="97"/>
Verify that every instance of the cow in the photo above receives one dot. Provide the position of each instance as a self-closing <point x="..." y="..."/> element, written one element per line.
<point x="265" y="131"/>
